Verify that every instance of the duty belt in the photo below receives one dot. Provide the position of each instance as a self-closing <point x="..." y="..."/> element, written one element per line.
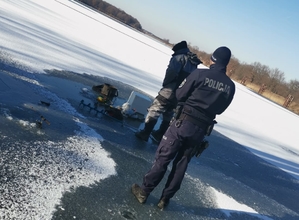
<point x="205" y="125"/>
<point x="201" y="123"/>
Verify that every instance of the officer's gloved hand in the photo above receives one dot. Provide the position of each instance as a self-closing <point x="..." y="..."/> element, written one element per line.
<point x="177" y="111"/>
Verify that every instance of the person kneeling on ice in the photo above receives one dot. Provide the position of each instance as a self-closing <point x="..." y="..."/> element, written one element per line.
<point x="181" y="64"/>
<point x="204" y="94"/>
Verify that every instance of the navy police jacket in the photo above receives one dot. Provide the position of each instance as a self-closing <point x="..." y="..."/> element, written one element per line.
<point x="209" y="91"/>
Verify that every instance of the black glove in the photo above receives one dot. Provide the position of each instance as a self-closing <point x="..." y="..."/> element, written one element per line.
<point x="210" y="128"/>
<point x="178" y="111"/>
<point x="198" y="149"/>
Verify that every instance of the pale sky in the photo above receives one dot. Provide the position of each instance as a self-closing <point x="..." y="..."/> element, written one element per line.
<point x="264" y="31"/>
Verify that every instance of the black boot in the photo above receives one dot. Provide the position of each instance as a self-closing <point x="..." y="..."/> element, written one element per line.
<point x="158" y="134"/>
<point x="140" y="195"/>
<point x="148" y="127"/>
<point x="163" y="203"/>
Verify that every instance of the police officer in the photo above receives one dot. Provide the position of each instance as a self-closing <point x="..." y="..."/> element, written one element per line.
<point x="204" y="94"/>
<point x="181" y="64"/>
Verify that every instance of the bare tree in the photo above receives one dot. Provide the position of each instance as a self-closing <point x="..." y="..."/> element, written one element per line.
<point x="232" y="66"/>
<point x="261" y="73"/>
<point x="293" y="87"/>
<point x="276" y="81"/>
<point x="243" y="71"/>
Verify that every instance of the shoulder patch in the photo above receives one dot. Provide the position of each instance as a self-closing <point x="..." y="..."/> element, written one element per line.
<point x="182" y="83"/>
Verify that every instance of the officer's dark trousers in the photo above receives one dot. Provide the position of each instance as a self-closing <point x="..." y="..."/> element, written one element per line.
<point x="176" y="145"/>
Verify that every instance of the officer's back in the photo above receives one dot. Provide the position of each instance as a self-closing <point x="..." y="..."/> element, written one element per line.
<point x="208" y="91"/>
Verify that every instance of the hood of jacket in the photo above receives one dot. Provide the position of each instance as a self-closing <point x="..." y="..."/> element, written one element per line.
<point x="192" y="57"/>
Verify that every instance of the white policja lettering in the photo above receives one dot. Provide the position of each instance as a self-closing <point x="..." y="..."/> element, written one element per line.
<point x="214" y="84"/>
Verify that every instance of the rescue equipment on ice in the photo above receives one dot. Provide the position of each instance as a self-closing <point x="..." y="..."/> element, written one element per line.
<point x="106" y="93"/>
<point x="104" y="97"/>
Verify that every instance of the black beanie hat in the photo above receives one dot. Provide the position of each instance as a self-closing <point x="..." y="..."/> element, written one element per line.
<point x="181" y="45"/>
<point x="221" y="56"/>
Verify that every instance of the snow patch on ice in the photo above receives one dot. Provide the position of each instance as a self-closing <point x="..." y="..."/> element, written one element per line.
<point x="229" y="205"/>
<point x="55" y="167"/>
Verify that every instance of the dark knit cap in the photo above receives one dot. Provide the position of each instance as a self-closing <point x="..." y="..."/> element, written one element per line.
<point x="221" y="56"/>
<point x="181" y="45"/>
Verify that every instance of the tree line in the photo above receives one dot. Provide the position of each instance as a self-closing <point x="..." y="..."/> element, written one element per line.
<point x="272" y="80"/>
<point x="113" y="12"/>
<point x="256" y="73"/>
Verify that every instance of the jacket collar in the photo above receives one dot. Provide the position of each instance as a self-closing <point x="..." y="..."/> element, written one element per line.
<point x="218" y="67"/>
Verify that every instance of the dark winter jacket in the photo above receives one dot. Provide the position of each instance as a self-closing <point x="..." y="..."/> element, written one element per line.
<point x="182" y="63"/>
<point x="207" y="91"/>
